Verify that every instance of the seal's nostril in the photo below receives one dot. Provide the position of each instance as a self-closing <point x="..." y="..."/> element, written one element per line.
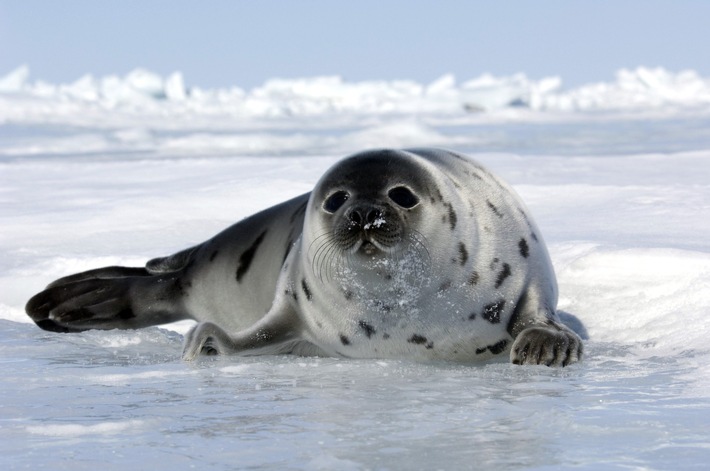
<point x="356" y="217"/>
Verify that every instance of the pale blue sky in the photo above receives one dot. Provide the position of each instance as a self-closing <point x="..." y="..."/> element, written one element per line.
<point x="218" y="43"/>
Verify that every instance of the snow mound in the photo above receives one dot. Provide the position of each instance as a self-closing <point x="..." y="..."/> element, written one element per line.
<point x="654" y="299"/>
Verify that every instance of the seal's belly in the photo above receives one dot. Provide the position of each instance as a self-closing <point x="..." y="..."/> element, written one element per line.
<point x="449" y="327"/>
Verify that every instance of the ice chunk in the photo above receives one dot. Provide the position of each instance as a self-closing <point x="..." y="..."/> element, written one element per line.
<point x="175" y="87"/>
<point x="15" y="80"/>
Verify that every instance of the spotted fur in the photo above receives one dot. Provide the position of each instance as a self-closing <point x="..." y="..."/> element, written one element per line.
<point x="524" y="248"/>
<point x="423" y="255"/>
<point x="503" y="275"/>
<point x="306" y="290"/>
<point x="492" y="312"/>
<point x="247" y="257"/>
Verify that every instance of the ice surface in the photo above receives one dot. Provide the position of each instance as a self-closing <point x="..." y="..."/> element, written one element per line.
<point x="115" y="170"/>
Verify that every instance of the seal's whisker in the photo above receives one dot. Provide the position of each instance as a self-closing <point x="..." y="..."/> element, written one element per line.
<point x="328" y="258"/>
<point x="336" y="263"/>
<point x="320" y="253"/>
<point x="317" y="240"/>
<point x="326" y="254"/>
<point x="419" y="241"/>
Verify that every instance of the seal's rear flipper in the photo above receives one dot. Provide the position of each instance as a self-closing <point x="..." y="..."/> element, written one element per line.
<point x="106" y="298"/>
<point x="100" y="273"/>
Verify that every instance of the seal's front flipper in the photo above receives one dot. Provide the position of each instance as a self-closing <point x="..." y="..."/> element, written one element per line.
<point x="106" y="298"/>
<point x="551" y="345"/>
<point x="540" y="337"/>
<point x="276" y="333"/>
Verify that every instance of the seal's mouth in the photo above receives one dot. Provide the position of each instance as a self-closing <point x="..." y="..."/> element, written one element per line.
<point x="367" y="246"/>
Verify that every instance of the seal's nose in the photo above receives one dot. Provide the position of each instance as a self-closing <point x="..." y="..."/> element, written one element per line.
<point x="364" y="216"/>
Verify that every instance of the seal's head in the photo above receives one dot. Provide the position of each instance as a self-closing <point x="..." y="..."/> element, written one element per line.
<point x="370" y="206"/>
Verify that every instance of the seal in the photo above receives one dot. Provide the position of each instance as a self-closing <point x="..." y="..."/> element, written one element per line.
<point x="420" y="254"/>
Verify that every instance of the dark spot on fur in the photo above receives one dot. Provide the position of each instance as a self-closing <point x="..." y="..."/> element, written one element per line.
<point x="463" y="254"/>
<point x="498" y="347"/>
<point x="494" y="208"/>
<point x="514" y="325"/>
<point x="319" y="324"/>
<point x="492" y="311"/>
<point x="369" y="330"/>
<point x="385" y="336"/>
<point x="388" y="277"/>
<point x="306" y="289"/>
<point x="348" y="295"/>
<point x="445" y="286"/>
<point x="417" y="339"/>
<point x="293" y="294"/>
<point x="472" y="317"/>
<point x="524" y="249"/>
<point x="504" y="273"/>
<point x="247" y="257"/>
<point x="214" y="255"/>
<point x="494" y="263"/>
<point x="344" y="340"/>
<point x="473" y="279"/>
<point x="534" y="236"/>
<point x="453" y="219"/>
<point x="429" y="345"/>
<point x="481" y="350"/>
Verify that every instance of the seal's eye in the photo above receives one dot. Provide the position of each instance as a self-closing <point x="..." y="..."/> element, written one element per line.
<point x="335" y="201"/>
<point x="403" y="196"/>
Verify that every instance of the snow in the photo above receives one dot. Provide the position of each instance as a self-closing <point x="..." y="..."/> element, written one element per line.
<point x="117" y="170"/>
